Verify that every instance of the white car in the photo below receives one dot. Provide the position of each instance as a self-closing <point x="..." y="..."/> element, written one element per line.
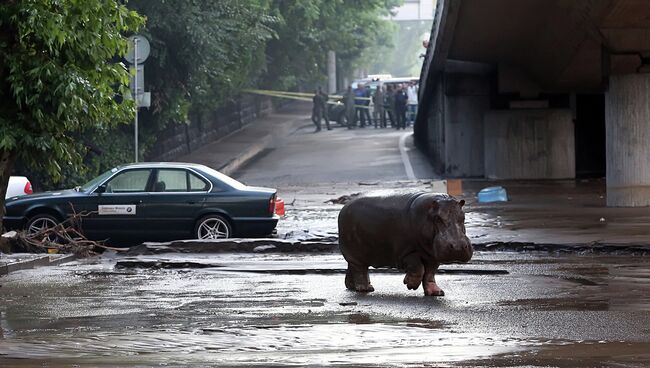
<point x="18" y="186"/>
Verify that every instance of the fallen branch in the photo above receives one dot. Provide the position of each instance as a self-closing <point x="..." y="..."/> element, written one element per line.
<point x="65" y="237"/>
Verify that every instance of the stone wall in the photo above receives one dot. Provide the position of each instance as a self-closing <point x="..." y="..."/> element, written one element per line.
<point x="181" y="139"/>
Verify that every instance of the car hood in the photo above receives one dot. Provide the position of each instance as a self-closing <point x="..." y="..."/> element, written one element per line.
<point x="67" y="193"/>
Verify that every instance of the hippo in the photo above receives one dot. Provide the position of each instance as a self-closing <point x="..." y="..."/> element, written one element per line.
<point x="413" y="232"/>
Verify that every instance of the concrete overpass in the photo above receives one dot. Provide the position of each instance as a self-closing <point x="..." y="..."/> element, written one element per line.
<point x="540" y="89"/>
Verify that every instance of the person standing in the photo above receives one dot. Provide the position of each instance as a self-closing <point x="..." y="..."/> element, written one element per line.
<point x="412" y="102"/>
<point x="389" y="104"/>
<point x="366" y="102"/>
<point x="400" y="107"/>
<point x="378" y="100"/>
<point x="317" y="110"/>
<point x="348" y="100"/>
<point x="325" y="107"/>
<point x="361" y="104"/>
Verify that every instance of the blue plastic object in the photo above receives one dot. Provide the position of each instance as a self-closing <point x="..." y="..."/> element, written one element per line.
<point x="492" y="194"/>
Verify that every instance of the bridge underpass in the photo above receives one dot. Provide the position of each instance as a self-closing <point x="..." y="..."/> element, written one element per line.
<point x="540" y="89"/>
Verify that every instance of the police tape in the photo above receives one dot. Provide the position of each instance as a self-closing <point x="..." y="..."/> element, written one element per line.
<point x="305" y="97"/>
<point x="300" y="96"/>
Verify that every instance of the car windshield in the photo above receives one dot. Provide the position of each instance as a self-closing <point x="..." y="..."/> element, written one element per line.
<point x="91" y="184"/>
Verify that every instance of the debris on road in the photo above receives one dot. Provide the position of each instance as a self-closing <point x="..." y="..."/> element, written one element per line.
<point x="235" y="245"/>
<point x="346" y="304"/>
<point x="343" y="199"/>
<point x="492" y="194"/>
<point x="65" y="237"/>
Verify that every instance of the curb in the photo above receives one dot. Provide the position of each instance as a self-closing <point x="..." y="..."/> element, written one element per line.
<point x="330" y="245"/>
<point x="262" y="144"/>
<point x="235" y="164"/>
<point x="40" y="261"/>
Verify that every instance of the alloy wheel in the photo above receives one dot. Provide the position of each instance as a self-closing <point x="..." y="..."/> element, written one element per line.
<point x="40" y="224"/>
<point x="213" y="228"/>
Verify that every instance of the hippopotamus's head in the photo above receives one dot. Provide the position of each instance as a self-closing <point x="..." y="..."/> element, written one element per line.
<point x="450" y="242"/>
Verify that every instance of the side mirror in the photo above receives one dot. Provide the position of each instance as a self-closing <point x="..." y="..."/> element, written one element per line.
<point x="101" y="189"/>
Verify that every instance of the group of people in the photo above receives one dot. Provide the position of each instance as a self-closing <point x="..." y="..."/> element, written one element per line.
<point x="393" y="104"/>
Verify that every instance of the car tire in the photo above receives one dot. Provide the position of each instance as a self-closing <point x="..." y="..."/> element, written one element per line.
<point x="343" y="120"/>
<point x="40" y="222"/>
<point x="213" y="227"/>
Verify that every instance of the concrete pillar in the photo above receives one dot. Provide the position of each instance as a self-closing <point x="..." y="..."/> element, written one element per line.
<point x="331" y="72"/>
<point x="627" y="129"/>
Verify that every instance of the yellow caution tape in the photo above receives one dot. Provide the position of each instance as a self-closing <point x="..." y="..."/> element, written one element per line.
<point x="301" y="96"/>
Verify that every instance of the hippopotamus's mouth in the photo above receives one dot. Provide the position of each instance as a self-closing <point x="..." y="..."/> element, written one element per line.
<point x="456" y="252"/>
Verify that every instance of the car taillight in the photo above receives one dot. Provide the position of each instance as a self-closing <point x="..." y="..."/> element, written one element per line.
<point x="272" y="205"/>
<point x="279" y="206"/>
<point x="28" y="188"/>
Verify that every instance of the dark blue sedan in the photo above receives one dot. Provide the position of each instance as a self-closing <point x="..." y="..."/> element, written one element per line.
<point x="153" y="201"/>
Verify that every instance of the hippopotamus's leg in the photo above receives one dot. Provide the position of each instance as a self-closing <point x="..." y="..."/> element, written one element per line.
<point x="429" y="282"/>
<point x="414" y="271"/>
<point x="357" y="278"/>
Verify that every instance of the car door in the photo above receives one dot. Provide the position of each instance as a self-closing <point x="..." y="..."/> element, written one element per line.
<point x="120" y="207"/>
<point x="176" y="200"/>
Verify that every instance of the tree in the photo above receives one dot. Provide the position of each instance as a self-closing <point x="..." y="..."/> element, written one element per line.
<point x="203" y="52"/>
<point x="309" y="29"/>
<point x="58" y="78"/>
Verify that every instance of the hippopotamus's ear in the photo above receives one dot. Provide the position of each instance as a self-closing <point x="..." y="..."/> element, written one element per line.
<point x="461" y="203"/>
<point x="433" y="209"/>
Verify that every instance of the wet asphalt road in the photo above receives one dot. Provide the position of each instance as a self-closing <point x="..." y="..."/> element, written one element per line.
<point x="338" y="156"/>
<point x="501" y="309"/>
<point x="253" y="309"/>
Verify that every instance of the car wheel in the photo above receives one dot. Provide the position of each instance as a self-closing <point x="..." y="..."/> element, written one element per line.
<point x="41" y="222"/>
<point x="213" y="227"/>
<point x="342" y="120"/>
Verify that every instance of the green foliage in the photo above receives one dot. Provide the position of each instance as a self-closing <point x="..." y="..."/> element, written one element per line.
<point x="57" y="79"/>
<point x="202" y="51"/>
<point x="403" y="58"/>
<point x="205" y="51"/>
<point x="309" y="29"/>
<point x="105" y="147"/>
<point x="59" y="75"/>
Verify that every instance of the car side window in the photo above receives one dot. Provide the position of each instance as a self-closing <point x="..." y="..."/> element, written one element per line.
<point x="197" y="184"/>
<point x="130" y="181"/>
<point x="171" y="181"/>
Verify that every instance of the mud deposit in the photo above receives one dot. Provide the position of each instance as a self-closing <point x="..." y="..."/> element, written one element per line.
<point x="523" y="310"/>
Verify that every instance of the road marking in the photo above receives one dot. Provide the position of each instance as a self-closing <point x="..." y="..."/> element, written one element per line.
<point x="405" y="157"/>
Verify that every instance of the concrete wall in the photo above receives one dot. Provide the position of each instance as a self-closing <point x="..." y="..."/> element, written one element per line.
<point x="181" y="139"/>
<point x="466" y="102"/>
<point x="436" y="126"/>
<point x="627" y="125"/>
<point x="529" y="144"/>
